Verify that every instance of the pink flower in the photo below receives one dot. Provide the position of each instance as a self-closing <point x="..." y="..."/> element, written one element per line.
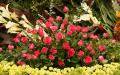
<point x="23" y="55"/>
<point x="113" y="41"/>
<point x="34" y="57"/>
<point x="1" y="49"/>
<point x="65" y="21"/>
<point x="58" y="18"/>
<point x="53" y="50"/>
<point x="37" y="53"/>
<point x="61" y="63"/>
<point x="102" y="48"/>
<point x="10" y="47"/>
<point x="92" y="52"/>
<point x="72" y="28"/>
<point x="31" y="46"/>
<point x="38" y="21"/>
<point x="101" y="58"/>
<point x="80" y="53"/>
<point x="47" y="40"/>
<point x="85" y="35"/>
<point x="80" y="43"/>
<point x="28" y="30"/>
<point x="59" y="36"/>
<point x="69" y="33"/>
<point x="24" y="39"/>
<point x="78" y="28"/>
<point x="16" y="40"/>
<point x="18" y="35"/>
<point x="21" y="63"/>
<point x="51" y="57"/>
<point x="28" y="56"/>
<point x="89" y="46"/>
<point x="34" y="31"/>
<point x="48" y="24"/>
<point x="87" y="60"/>
<point x="51" y="19"/>
<point x="85" y="29"/>
<point x="44" y="50"/>
<point x="62" y="26"/>
<point x="66" y="45"/>
<point x="71" y="52"/>
<point x="53" y="28"/>
<point x="40" y="31"/>
<point x="94" y="37"/>
<point x="65" y="9"/>
<point x="106" y="35"/>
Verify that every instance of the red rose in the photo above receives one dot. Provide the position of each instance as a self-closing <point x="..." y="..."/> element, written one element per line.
<point x="44" y="50"/>
<point x="34" y="31"/>
<point x="37" y="53"/>
<point x="58" y="18"/>
<point x="72" y="28"/>
<point x="65" y="21"/>
<point x="51" y="57"/>
<point x="65" y="9"/>
<point x="94" y="37"/>
<point x="38" y="21"/>
<point x="87" y="60"/>
<point x="18" y="35"/>
<point x="59" y="36"/>
<point x="69" y="33"/>
<point x="53" y="28"/>
<point x="80" y="53"/>
<point x="102" y="48"/>
<point x="62" y="26"/>
<point x="48" y="24"/>
<point x="1" y="49"/>
<point x="21" y="63"/>
<point x="80" y="43"/>
<point x="31" y="46"/>
<point x="89" y="46"/>
<point x="24" y="39"/>
<point x="78" y="28"/>
<point x="92" y="52"/>
<point x="23" y="55"/>
<point x="85" y="29"/>
<point x="85" y="35"/>
<point x="53" y="50"/>
<point x="61" y="63"/>
<point x="106" y="35"/>
<point x="101" y="58"/>
<point x="34" y="57"/>
<point x="51" y="19"/>
<point x="40" y="31"/>
<point x="71" y="52"/>
<point x="28" y="30"/>
<point x="10" y="47"/>
<point x="16" y="40"/>
<point x="47" y="40"/>
<point x="66" y="45"/>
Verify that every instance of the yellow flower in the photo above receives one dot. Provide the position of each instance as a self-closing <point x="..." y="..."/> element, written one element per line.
<point x="118" y="13"/>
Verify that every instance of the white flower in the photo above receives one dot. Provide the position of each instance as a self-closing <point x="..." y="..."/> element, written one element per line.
<point x="26" y="25"/>
<point x="11" y="24"/>
<point x="25" y="19"/>
<point x="2" y="20"/>
<point x="14" y="16"/>
<point x="14" y="30"/>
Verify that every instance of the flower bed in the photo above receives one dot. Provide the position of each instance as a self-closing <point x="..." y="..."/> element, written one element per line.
<point x="9" y="68"/>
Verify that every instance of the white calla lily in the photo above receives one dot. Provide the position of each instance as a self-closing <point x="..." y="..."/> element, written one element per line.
<point x="26" y="25"/>
<point x="2" y="20"/>
<point x="14" y="29"/>
<point x="11" y="24"/>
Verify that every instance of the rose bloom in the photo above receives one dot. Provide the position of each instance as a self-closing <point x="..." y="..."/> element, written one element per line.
<point x="72" y="28"/>
<point x="37" y="53"/>
<point x="102" y="48"/>
<point x="38" y="21"/>
<point x="92" y="52"/>
<point x="47" y="40"/>
<point x="21" y="63"/>
<point x="65" y="9"/>
<point x="84" y="29"/>
<point x="53" y="50"/>
<point x="61" y="63"/>
<point x="85" y="35"/>
<point x="89" y="46"/>
<point x="94" y="37"/>
<point x="53" y="28"/>
<point x="28" y="30"/>
<point x="113" y="41"/>
<point x="34" y="31"/>
<point x="10" y="47"/>
<point x="101" y="58"/>
<point x="51" y="57"/>
<point x="80" y="43"/>
<point x="16" y="40"/>
<point x="69" y="33"/>
<point x="106" y="35"/>
<point x="59" y="36"/>
<point x="44" y="50"/>
<point x="71" y="52"/>
<point x="65" y="21"/>
<point x="34" y="57"/>
<point x="48" y="24"/>
<point x="58" y="18"/>
<point x="62" y="26"/>
<point x="31" y="46"/>
<point x="66" y="45"/>
<point x="80" y="53"/>
<point x="40" y="31"/>
<point x="87" y="60"/>
<point x="51" y="19"/>
<point x="24" y="39"/>
<point x="23" y="55"/>
<point x="78" y="28"/>
<point x="18" y="35"/>
<point x="28" y="56"/>
<point x="1" y="49"/>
